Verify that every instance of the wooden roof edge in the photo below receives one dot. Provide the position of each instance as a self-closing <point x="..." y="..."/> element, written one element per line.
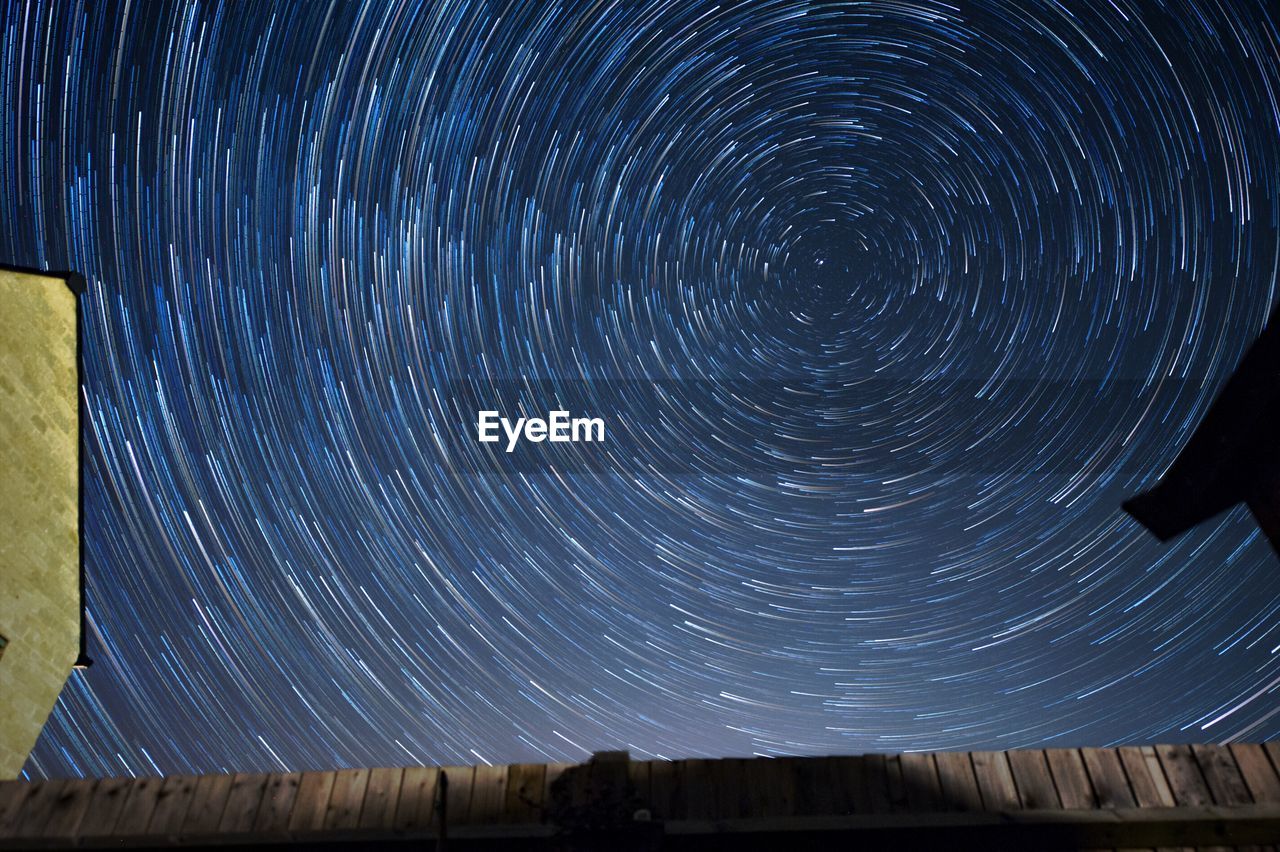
<point x="1130" y="796"/>
<point x="615" y="756"/>
<point x="1123" y="827"/>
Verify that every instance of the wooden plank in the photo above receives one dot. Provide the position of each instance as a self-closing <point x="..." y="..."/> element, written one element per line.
<point x="1185" y="780"/>
<point x="1273" y="752"/>
<point x="1106" y="776"/>
<point x="12" y="795"/>
<point x="1146" y="779"/>
<point x="207" y="804"/>
<point x="457" y="801"/>
<point x="699" y="796"/>
<point x="995" y="780"/>
<point x="415" y="810"/>
<point x="920" y="781"/>
<point x="876" y="775"/>
<point x="1070" y="779"/>
<point x="610" y="777"/>
<point x="525" y="786"/>
<point x="1158" y="776"/>
<point x="312" y="801"/>
<point x="69" y="810"/>
<point x="815" y="785"/>
<point x="957" y="782"/>
<point x="172" y="801"/>
<point x="30" y="819"/>
<point x="278" y="797"/>
<point x="664" y="789"/>
<point x="1221" y="775"/>
<point x="898" y="800"/>
<point x="778" y="786"/>
<point x="1066" y="766"/>
<point x="1257" y="771"/>
<point x="849" y="782"/>
<point x="753" y="774"/>
<point x="729" y="781"/>
<point x="488" y="795"/>
<point x="380" y="798"/>
<point x="243" y="802"/>
<point x="567" y="795"/>
<point x="16" y="801"/>
<point x="135" y="816"/>
<point x="1150" y="791"/>
<point x="638" y="778"/>
<point x="554" y="772"/>
<point x="346" y="799"/>
<point x="1031" y="777"/>
<point x="104" y="807"/>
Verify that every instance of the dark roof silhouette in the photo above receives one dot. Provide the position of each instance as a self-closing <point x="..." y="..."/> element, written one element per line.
<point x="1232" y="457"/>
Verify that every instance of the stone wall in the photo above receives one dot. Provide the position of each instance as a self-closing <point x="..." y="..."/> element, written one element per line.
<point x="39" y="505"/>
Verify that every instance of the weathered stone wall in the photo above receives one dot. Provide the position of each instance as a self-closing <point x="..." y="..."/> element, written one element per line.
<point x="39" y="506"/>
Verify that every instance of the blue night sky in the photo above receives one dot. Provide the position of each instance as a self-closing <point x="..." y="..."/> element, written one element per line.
<point x="886" y="307"/>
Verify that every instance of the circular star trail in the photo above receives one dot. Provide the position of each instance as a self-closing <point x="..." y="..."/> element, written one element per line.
<point x="886" y="306"/>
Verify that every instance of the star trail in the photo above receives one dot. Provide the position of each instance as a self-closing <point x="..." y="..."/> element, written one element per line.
<point x="887" y="306"/>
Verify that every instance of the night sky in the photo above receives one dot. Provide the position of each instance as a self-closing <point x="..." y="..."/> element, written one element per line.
<point x="886" y="306"/>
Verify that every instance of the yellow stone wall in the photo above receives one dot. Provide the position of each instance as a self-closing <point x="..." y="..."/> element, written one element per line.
<point x="39" y="506"/>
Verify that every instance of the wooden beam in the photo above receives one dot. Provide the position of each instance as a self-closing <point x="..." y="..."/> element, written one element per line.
<point x="1035" y="828"/>
<point x="1122" y="827"/>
